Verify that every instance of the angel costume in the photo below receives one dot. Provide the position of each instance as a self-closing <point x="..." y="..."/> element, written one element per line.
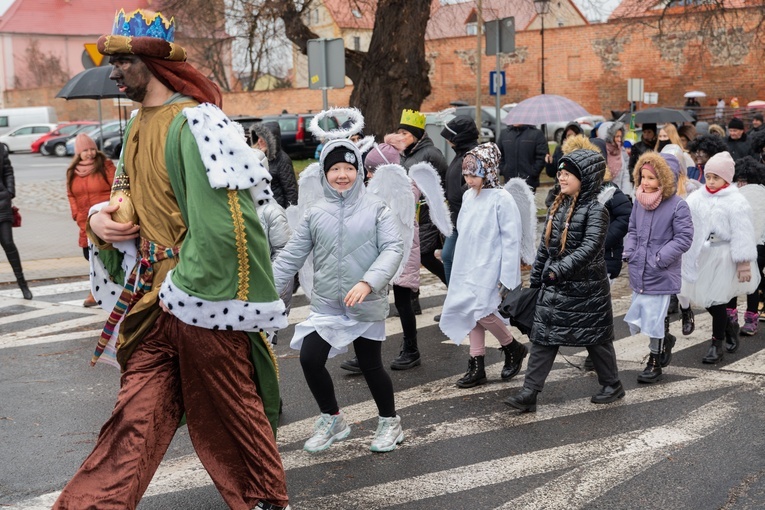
<point x="488" y="253"/>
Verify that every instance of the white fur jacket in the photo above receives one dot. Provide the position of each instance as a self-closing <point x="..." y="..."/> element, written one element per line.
<point x="728" y="216"/>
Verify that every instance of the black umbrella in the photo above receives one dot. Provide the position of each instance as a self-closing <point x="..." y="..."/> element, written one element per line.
<point x="93" y="83"/>
<point x="657" y="116"/>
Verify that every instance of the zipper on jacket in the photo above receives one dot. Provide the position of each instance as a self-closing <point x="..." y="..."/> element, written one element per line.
<point x="340" y="250"/>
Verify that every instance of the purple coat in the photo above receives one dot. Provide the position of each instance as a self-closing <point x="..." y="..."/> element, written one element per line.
<point x="655" y="243"/>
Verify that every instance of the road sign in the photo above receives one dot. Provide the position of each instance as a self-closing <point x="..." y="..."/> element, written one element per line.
<point x="500" y="36"/>
<point x="635" y="89"/>
<point x="493" y="83"/>
<point x="326" y="64"/>
<point x="91" y="57"/>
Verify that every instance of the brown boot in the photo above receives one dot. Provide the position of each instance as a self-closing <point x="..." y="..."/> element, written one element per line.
<point x="89" y="301"/>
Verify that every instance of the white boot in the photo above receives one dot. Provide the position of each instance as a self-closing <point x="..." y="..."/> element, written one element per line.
<point x="388" y="434"/>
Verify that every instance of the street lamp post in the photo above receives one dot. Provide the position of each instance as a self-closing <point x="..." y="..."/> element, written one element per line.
<point x="542" y="7"/>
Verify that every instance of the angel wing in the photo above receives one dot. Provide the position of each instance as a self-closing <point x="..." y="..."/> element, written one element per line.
<point x="310" y="191"/>
<point x="392" y="185"/>
<point x="755" y="195"/>
<point x="524" y="199"/>
<point x="426" y="178"/>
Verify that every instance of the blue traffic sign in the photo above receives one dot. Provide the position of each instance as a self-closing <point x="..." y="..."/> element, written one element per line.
<point x="493" y="83"/>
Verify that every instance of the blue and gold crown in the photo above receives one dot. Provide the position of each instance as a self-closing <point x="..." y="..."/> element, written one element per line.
<point x="141" y="23"/>
<point x="413" y="118"/>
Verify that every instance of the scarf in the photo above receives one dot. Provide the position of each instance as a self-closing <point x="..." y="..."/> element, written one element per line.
<point x="614" y="159"/>
<point x="649" y="201"/>
<point x="84" y="169"/>
<point x="183" y="78"/>
<point x="717" y="190"/>
<point x="483" y="161"/>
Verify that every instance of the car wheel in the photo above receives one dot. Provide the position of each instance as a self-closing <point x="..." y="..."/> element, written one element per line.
<point x="44" y="151"/>
<point x="60" y="150"/>
<point x="559" y="136"/>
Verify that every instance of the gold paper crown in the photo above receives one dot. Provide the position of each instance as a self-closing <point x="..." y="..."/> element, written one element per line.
<point x="413" y="118"/>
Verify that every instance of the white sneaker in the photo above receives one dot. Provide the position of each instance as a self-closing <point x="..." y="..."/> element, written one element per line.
<point x="327" y="430"/>
<point x="388" y="434"/>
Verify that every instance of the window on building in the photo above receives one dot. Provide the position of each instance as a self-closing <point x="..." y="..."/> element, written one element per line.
<point x="471" y="28"/>
<point x="357" y="43"/>
<point x="356" y="13"/>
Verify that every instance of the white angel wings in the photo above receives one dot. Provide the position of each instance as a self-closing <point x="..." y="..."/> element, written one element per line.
<point x="524" y="199"/>
<point x="310" y="191"/>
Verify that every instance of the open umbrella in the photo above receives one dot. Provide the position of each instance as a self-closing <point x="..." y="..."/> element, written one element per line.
<point x="695" y="93"/>
<point x="658" y="116"/>
<point x="756" y="104"/>
<point x="93" y="83"/>
<point x="543" y="109"/>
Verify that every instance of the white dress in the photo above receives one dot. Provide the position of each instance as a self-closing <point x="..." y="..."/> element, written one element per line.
<point x="487" y="253"/>
<point x="339" y="331"/>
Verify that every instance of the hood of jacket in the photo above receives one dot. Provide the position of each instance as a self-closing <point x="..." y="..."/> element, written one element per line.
<point x="462" y="132"/>
<point x="667" y="179"/>
<point x="357" y="189"/>
<point x="263" y="131"/>
<point x="611" y="131"/>
<point x="592" y="168"/>
<point x="273" y="126"/>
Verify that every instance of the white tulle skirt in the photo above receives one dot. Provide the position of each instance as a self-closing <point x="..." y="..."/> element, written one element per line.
<point x="718" y="281"/>
<point x="646" y="314"/>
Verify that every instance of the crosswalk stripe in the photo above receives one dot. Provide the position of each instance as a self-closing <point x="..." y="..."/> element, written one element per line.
<point x="51" y="332"/>
<point x="50" y="290"/>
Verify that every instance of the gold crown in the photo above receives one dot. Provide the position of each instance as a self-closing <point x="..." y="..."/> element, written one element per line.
<point x="413" y="118"/>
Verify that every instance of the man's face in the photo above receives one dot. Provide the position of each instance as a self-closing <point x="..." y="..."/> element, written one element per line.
<point x="132" y="76"/>
<point x="756" y="123"/>
<point x="735" y="134"/>
<point x="649" y="135"/>
<point x="701" y="157"/>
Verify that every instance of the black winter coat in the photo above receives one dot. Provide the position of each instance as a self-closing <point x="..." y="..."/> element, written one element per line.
<point x="739" y="148"/>
<point x="575" y="308"/>
<point x="283" y="183"/>
<point x="7" y="186"/>
<point x="464" y="136"/>
<point x="619" y="209"/>
<point x="424" y="150"/>
<point x="523" y="151"/>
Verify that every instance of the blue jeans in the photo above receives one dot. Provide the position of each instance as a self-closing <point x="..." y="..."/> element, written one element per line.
<point x="447" y="254"/>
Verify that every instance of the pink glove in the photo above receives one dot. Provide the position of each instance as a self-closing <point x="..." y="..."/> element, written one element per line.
<point x="744" y="271"/>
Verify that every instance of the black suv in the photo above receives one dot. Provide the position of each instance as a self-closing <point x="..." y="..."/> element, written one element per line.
<point x="296" y="140"/>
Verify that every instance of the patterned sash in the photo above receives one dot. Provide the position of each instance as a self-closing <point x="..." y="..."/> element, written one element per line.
<point x="138" y="283"/>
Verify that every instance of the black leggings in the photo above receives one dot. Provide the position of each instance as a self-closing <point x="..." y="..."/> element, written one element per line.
<point x="432" y="264"/>
<point x="313" y="359"/>
<point x="719" y="320"/>
<point x="402" y="297"/>
<point x="11" y="252"/>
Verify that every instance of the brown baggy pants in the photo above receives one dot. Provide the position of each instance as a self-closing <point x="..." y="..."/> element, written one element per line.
<point x="207" y="374"/>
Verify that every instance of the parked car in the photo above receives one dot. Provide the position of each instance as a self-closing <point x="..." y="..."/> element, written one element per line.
<point x="57" y="146"/>
<point x="555" y="129"/>
<point x="11" y="118"/>
<point x="488" y="119"/>
<point x="63" y="129"/>
<point x="21" y="138"/>
<point x="113" y="144"/>
<point x="296" y="140"/>
<point x="108" y="130"/>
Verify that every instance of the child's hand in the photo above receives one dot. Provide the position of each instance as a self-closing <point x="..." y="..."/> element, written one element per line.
<point x="357" y="293"/>
<point x="744" y="272"/>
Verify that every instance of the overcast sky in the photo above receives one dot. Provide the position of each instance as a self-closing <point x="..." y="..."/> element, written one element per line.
<point x="4" y="4"/>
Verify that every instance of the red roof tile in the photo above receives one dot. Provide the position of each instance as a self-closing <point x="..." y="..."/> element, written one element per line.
<point x="449" y="20"/>
<point x="352" y="13"/>
<point x="648" y="8"/>
<point x="65" y="17"/>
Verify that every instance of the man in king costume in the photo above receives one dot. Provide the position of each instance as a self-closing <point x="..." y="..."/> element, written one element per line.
<point x="194" y="302"/>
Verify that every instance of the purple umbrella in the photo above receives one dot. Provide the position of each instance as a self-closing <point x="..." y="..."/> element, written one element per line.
<point x="544" y="109"/>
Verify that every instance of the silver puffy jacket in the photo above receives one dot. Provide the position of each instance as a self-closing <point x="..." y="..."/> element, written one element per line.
<point x="354" y="238"/>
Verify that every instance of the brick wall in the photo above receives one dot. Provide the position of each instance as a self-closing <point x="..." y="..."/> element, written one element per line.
<point x="589" y="64"/>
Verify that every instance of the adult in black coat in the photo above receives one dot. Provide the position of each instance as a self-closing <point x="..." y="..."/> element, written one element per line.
<point x="268" y="138"/>
<point x="647" y="143"/>
<point x="462" y="134"/>
<point x="619" y="209"/>
<point x="523" y="150"/>
<point x="737" y="141"/>
<point x="574" y="303"/>
<point x="7" y="193"/>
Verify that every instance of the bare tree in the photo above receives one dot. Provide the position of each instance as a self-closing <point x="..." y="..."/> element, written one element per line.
<point x="43" y="68"/>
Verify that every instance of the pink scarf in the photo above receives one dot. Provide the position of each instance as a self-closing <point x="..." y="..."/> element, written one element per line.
<point x="649" y="201"/>
<point x="614" y="160"/>
<point x="85" y="168"/>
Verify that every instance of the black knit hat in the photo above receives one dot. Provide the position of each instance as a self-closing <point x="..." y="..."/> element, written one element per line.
<point x="340" y="154"/>
<point x="736" y="123"/>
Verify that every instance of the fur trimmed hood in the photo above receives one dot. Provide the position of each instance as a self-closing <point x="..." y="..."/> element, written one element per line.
<point x="666" y="177"/>
<point x="262" y="131"/>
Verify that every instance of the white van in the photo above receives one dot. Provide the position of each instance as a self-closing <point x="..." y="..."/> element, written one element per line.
<point x="11" y="118"/>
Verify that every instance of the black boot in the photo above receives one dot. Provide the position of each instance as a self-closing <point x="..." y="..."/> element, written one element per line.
<point x="667" y="345"/>
<point x="731" y="335"/>
<point x="408" y="357"/>
<point x="351" y="365"/>
<point x="525" y="401"/>
<point x="674" y="304"/>
<point x="23" y="286"/>
<point x="514" y="354"/>
<point x="652" y="371"/>
<point x="689" y="324"/>
<point x="416" y="303"/>
<point x="475" y="374"/>
<point x="715" y="353"/>
<point x="608" y="394"/>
